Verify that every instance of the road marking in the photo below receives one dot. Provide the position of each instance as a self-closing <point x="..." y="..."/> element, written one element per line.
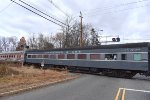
<point x="116" y="98"/>
<point x="124" y="91"/>
<point x="123" y="95"/>
<point x="135" y="90"/>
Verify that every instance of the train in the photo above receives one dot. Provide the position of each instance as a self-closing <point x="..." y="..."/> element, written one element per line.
<point x="117" y="60"/>
<point x="14" y="56"/>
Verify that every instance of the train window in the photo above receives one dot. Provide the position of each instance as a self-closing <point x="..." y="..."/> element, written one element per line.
<point x="45" y="56"/>
<point x="52" y="56"/>
<point x="70" y="56"/>
<point x="94" y="56"/>
<point x="137" y="56"/>
<point x="81" y="56"/>
<point x="110" y="56"/>
<point x="39" y="56"/>
<point x="33" y="56"/>
<point x="123" y="56"/>
<point x="61" y="56"/>
<point x="29" y="56"/>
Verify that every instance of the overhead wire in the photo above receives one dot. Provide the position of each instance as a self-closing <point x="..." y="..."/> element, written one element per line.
<point x="120" y="5"/>
<point x="120" y="10"/>
<point x="58" y="8"/>
<point x="39" y="6"/>
<point x="89" y="13"/>
<point x="41" y="12"/>
<point x="136" y="39"/>
<point x="42" y="8"/>
<point x="37" y="13"/>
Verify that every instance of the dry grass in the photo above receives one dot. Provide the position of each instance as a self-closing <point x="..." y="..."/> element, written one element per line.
<point x="20" y="77"/>
<point x="5" y="70"/>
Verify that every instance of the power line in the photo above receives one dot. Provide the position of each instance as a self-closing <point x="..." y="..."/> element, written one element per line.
<point x="136" y="39"/>
<point x="37" y="13"/>
<point x="119" y="10"/>
<point x="5" y="7"/>
<point x="117" y="6"/>
<point x="41" y="12"/>
<point x="121" y="5"/>
<point x="42" y="8"/>
<point x="58" y="8"/>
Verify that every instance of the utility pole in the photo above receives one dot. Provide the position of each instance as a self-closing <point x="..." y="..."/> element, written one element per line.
<point x="81" y="39"/>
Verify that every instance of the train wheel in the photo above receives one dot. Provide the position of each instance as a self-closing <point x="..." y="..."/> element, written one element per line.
<point x="94" y="70"/>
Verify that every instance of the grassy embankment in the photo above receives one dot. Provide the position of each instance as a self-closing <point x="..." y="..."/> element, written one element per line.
<point x="13" y="78"/>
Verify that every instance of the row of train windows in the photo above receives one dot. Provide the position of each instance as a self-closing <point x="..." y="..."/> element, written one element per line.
<point x="136" y="57"/>
<point x="10" y="56"/>
<point x="62" y="56"/>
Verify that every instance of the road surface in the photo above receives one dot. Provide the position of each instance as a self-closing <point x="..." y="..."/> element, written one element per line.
<point x="91" y="87"/>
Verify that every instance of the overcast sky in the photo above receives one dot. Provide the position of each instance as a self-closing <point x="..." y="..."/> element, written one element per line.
<point x="130" y="19"/>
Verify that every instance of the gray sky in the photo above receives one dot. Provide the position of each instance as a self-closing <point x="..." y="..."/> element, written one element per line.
<point x="130" y="19"/>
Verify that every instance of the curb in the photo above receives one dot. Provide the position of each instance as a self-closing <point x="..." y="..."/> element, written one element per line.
<point x="36" y="86"/>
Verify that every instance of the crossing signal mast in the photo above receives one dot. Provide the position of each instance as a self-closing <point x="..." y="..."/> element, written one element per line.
<point x="96" y="39"/>
<point x="114" y="39"/>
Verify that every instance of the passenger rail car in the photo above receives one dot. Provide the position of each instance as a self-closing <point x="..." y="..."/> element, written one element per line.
<point x="13" y="56"/>
<point x="119" y="60"/>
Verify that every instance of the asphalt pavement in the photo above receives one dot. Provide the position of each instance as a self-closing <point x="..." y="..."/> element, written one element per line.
<point x="91" y="87"/>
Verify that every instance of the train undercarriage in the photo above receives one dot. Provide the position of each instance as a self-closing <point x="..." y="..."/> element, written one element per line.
<point x="104" y="72"/>
<point x="110" y="72"/>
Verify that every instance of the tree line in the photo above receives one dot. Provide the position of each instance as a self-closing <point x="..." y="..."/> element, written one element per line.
<point x="68" y="37"/>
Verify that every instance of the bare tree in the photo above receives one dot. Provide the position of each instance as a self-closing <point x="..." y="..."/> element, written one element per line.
<point x="12" y="43"/>
<point x="67" y="32"/>
<point x="58" y="40"/>
<point x="5" y="43"/>
<point x="72" y="34"/>
<point x="32" y="41"/>
<point x="1" y="44"/>
<point x="40" y="42"/>
<point x="8" y="43"/>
